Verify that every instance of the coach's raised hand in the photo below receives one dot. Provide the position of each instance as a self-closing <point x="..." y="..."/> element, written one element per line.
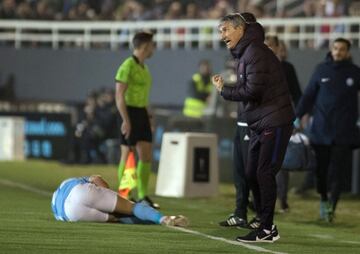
<point x="218" y="82"/>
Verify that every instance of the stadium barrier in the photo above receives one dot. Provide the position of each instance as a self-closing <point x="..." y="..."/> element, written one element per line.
<point x="201" y="34"/>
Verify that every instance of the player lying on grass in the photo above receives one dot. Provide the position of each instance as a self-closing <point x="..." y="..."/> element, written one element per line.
<point x="90" y="199"/>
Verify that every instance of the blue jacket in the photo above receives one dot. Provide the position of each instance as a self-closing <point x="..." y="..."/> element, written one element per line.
<point x="261" y="89"/>
<point x="332" y="97"/>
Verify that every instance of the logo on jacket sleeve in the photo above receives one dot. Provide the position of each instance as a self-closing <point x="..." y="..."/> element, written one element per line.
<point x="324" y="80"/>
<point x="349" y="82"/>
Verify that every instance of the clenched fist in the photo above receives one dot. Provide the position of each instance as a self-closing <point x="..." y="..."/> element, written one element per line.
<point x="218" y="82"/>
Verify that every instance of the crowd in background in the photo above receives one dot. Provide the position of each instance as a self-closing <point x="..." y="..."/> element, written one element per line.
<point x="136" y="10"/>
<point x="7" y="88"/>
<point x="97" y="123"/>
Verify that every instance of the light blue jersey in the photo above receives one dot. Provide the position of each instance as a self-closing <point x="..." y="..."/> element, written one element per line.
<point x="60" y="195"/>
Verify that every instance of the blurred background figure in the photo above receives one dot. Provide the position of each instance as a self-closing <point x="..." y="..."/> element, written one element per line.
<point x="240" y="152"/>
<point x="7" y="89"/>
<point x="332" y="97"/>
<point x="96" y="132"/>
<point x="279" y="48"/>
<point x="199" y="91"/>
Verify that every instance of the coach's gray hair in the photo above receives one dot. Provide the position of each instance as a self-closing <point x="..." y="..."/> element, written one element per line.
<point x="234" y="18"/>
<point x="239" y="19"/>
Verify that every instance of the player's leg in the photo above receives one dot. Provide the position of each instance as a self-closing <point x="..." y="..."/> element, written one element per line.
<point x="144" y="214"/>
<point x="79" y="205"/>
<point x="89" y="202"/>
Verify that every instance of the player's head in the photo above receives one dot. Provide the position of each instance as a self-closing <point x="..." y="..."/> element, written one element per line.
<point x="272" y="41"/>
<point x="340" y="49"/>
<point x="143" y="41"/>
<point x="232" y="27"/>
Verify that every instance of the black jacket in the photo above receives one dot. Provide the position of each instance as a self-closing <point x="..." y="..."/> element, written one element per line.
<point x="332" y="97"/>
<point x="293" y="82"/>
<point x="261" y="89"/>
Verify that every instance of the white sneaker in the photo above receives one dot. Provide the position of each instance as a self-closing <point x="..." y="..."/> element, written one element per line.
<point x="175" y="221"/>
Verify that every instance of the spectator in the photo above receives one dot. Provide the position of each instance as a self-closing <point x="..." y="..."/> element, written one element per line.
<point x="165" y="9"/>
<point x="8" y="9"/>
<point x="106" y="10"/>
<point x="280" y="50"/>
<point x="89" y="133"/>
<point x="84" y="12"/>
<point x="131" y="10"/>
<point x="332" y="96"/>
<point x="24" y="11"/>
<point x="192" y="11"/>
<point x="7" y="90"/>
<point x="43" y="11"/>
<point x="157" y="10"/>
<point x="106" y="113"/>
<point x="175" y="11"/>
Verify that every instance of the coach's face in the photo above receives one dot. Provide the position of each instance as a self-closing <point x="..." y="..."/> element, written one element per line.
<point x="340" y="51"/>
<point x="230" y="35"/>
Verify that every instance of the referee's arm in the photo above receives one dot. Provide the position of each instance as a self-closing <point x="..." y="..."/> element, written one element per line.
<point x="121" y="105"/>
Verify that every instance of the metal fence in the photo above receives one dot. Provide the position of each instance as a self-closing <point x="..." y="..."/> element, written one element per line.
<point x="188" y="34"/>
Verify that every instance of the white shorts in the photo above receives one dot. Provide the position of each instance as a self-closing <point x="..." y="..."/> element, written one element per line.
<point x="88" y="202"/>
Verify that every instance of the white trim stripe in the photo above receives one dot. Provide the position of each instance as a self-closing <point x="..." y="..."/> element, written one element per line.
<point x="242" y="124"/>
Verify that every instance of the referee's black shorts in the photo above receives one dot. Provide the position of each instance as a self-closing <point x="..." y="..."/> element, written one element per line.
<point x="140" y="127"/>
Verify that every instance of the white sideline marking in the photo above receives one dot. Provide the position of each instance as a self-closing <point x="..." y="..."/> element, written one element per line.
<point x="350" y="242"/>
<point x="249" y="246"/>
<point x="332" y="237"/>
<point x="25" y="187"/>
<point x="321" y="236"/>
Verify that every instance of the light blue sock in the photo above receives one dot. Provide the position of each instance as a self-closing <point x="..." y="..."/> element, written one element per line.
<point x="145" y="212"/>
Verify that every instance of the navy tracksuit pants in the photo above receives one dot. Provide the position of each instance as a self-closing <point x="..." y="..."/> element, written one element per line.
<point x="265" y="156"/>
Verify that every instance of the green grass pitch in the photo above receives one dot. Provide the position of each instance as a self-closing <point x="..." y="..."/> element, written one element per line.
<point x="27" y="225"/>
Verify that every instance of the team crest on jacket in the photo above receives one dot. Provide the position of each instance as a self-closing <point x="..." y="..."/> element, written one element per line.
<point x="349" y="81"/>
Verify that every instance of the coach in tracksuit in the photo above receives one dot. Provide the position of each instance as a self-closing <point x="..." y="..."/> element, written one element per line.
<point x="332" y="97"/>
<point x="262" y="90"/>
